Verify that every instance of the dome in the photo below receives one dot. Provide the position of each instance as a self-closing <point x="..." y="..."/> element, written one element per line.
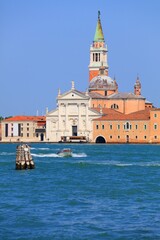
<point x="103" y="82"/>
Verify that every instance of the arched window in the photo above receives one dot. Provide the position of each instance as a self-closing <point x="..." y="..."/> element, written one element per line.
<point x="127" y="126"/>
<point x="114" y="106"/>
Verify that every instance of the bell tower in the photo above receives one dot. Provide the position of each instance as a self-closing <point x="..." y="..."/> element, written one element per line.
<point x="98" y="52"/>
<point x="137" y="87"/>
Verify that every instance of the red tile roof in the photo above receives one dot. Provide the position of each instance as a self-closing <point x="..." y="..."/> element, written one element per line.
<point x="25" y="118"/>
<point x="110" y="114"/>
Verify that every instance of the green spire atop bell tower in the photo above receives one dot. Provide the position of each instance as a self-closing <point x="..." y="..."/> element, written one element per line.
<point x="98" y="37"/>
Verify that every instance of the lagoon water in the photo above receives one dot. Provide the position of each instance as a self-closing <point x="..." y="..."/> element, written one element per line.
<point x="102" y="192"/>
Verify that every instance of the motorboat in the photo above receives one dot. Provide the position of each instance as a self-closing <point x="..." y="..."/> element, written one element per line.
<point x="65" y="152"/>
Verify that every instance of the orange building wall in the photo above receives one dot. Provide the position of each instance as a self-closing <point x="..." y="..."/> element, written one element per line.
<point x="134" y="105"/>
<point x="125" y="106"/>
<point x="150" y="134"/>
<point x="155" y="120"/>
<point x="116" y="135"/>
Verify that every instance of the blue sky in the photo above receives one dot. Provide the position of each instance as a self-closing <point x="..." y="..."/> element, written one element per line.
<point x="44" y="45"/>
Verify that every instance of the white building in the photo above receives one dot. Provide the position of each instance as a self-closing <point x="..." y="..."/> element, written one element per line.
<point x="72" y="120"/>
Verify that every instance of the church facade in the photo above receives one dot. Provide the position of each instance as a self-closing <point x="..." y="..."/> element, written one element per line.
<point x="72" y="121"/>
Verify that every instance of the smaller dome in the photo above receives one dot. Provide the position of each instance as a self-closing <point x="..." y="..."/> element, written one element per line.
<point x="103" y="82"/>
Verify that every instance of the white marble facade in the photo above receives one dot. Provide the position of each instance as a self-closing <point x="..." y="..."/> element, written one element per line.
<point x="73" y="117"/>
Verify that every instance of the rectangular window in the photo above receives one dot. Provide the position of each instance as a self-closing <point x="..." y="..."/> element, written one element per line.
<point x="136" y="126"/>
<point x="155" y="115"/>
<point x="102" y="126"/>
<point x="21" y="134"/>
<point x="19" y="129"/>
<point x="110" y="126"/>
<point x="145" y="126"/>
<point x="27" y="129"/>
<point x="118" y="127"/>
<point x="96" y="126"/>
<point x="155" y="126"/>
<point x="27" y="134"/>
<point x="6" y="130"/>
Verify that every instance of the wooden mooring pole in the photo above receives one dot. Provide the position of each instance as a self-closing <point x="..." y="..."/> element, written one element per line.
<point x="23" y="158"/>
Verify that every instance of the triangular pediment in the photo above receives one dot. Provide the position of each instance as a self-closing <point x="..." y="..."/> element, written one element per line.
<point x="73" y="95"/>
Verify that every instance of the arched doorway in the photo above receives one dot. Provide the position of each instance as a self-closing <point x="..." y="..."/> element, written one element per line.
<point x="100" y="139"/>
<point x="42" y="137"/>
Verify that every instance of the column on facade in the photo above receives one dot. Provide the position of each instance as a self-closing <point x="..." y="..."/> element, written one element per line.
<point x="66" y="116"/>
<point x="86" y="126"/>
<point x="79" y="117"/>
<point x="59" y="117"/>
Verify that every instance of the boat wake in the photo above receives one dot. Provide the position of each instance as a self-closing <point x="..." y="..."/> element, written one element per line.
<point x="41" y="155"/>
<point x="55" y="155"/>
<point x="79" y="155"/>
